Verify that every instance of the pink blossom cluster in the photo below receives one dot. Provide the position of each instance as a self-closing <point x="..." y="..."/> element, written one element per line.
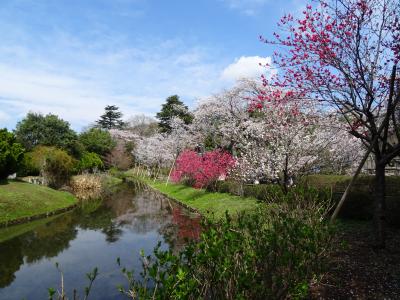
<point x="202" y="169"/>
<point x="343" y="50"/>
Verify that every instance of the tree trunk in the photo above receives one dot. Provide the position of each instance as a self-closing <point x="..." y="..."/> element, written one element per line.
<point x="349" y="186"/>
<point x="380" y="205"/>
<point x="170" y="171"/>
<point x="286" y="175"/>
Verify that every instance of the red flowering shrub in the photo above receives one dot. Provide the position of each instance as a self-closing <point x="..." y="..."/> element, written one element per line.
<point x="202" y="170"/>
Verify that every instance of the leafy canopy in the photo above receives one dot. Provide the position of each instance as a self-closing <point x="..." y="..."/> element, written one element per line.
<point x="49" y="130"/>
<point x="97" y="140"/>
<point x="90" y="162"/>
<point x="11" y="153"/>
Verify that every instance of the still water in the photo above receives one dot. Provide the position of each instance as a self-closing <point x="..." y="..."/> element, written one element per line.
<point x="131" y="219"/>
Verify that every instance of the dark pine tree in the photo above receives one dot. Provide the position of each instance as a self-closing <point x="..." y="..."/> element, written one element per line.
<point x="173" y="107"/>
<point x="111" y="119"/>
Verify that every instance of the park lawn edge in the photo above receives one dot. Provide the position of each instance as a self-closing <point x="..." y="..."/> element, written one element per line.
<point x="212" y="205"/>
<point x="31" y="202"/>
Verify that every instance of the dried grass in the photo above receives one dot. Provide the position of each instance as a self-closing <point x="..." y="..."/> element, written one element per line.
<point x="87" y="186"/>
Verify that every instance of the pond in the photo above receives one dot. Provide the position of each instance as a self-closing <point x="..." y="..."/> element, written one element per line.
<point x="131" y="219"/>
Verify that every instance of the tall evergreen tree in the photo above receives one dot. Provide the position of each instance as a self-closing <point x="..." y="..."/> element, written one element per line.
<point x="111" y="119"/>
<point x="172" y="108"/>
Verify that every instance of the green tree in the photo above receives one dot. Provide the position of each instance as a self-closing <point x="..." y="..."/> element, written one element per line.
<point x="11" y="153"/>
<point x="90" y="162"/>
<point x="97" y="140"/>
<point x="27" y="167"/>
<point x="173" y="108"/>
<point x="111" y="119"/>
<point x="55" y="165"/>
<point x="37" y="129"/>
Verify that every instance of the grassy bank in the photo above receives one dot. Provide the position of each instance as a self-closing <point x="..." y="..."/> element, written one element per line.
<point x="206" y="203"/>
<point x="21" y="200"/>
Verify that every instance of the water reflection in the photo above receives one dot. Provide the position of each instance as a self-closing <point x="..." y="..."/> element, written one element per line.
<point x="94" y="235"/>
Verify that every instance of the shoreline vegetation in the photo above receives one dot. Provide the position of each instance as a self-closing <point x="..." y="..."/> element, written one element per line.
<point x="22" y="202"/>
<point x="208" y="204"/>
<point x="359" y="205"/>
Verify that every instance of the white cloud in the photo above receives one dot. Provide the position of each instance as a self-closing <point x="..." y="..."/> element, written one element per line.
<point x="47" y="65"/>
<point x="253" y="8"/>
<point x="78" y="83"/>
<point x="247" y="66"/>
<point x="76" y="101"/>
<point x="247" y="7"/>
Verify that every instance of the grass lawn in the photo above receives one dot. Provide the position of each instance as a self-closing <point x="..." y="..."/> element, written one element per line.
<point x="21" y="199"/>
<point x="205" y="202"/>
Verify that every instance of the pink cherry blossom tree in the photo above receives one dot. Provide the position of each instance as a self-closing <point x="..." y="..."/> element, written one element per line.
<point x="289" y="139"/>
<point x="276" y="142"/>
<point x="219" y="118"/>
<point x="344" y="54"/>
<point x="202" y="170"/>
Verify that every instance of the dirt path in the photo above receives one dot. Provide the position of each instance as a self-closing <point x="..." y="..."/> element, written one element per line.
<point x="356" y="271"/>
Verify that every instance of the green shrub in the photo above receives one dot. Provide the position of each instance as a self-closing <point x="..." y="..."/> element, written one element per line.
<point x="27" y="166"/>
<point x="230" y="187"/>
<point x="97" y="140"/>
<point x="359" y="205"/>
<point x="55" y="165"/>
<point x="222" y="187"/>
<point x="11" y="153"/>
<point x="264" y="192"/>
<point x="272" y="193"/>
<point x="90" y="162"/>
<point x="57" y="168"/>
<point x="270" y="254"/>
<point x="360" y="202"/>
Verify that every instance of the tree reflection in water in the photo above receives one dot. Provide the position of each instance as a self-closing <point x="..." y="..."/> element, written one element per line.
<point x="144" y="213"/>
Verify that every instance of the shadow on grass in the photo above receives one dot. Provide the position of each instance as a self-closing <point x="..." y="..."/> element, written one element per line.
<point x="196" y="194"/>
<point x="4" y="182"/>
<point x="189" y="192"/>
<point x="180" y="188"/>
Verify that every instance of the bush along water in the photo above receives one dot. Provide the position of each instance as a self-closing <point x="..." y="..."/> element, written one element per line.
<point x="88" y="186"/>
<point x="273" y="253"/>
<point x="273" y="193"/>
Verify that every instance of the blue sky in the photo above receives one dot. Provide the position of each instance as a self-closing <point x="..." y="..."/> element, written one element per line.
<point x="74" y="57"/>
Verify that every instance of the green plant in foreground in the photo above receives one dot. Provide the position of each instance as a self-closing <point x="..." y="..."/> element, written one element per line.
<point x="273" y="252"/>
<point x="270" y="254"/>
<point x="61" y="295"/>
